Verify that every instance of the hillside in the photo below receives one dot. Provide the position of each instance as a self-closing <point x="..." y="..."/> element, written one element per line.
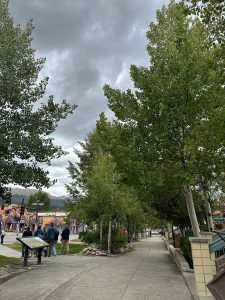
<point x="18" y="194"/>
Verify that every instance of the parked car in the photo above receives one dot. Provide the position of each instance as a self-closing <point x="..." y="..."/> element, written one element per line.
<point x="155" y="231"/>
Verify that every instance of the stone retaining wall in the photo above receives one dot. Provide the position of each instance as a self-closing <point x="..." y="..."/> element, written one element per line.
<point x="187" y="273"/>
<point x="178" y="258"/>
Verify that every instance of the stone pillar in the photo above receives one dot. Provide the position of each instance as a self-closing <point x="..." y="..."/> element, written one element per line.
<point x="206" y="235"/>
<point x="204" y="264"/>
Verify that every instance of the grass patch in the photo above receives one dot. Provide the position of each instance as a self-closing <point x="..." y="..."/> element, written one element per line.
<point x="15" y="246"/>
<point x="74" y="248"/>
<point x="8" y="261"/>
<point x="76" y="241"/>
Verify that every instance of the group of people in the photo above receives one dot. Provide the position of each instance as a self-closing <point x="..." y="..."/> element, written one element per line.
<point x="50" y="236"/>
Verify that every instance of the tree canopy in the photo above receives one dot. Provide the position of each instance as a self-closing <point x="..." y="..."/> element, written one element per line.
<point x="26" y="118"/>
<point x="167" y="140"/>
<point x="39" y="201"/>
<point x="174" y="102"/>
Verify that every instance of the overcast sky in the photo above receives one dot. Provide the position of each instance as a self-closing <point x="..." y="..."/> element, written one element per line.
<point x="87" y="43"/>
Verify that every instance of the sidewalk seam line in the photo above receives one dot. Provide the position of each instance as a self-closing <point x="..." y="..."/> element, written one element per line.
<point x="133" y="275"/>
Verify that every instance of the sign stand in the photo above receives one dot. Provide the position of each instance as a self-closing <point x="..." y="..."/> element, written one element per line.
<point x="25" y="256"/>
<point x="39" y="256"/>
<point x="32" y="243"/>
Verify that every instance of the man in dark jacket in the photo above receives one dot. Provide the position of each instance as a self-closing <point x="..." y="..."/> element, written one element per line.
<point x="65" y="240"/>
<point x="50" y="238"/>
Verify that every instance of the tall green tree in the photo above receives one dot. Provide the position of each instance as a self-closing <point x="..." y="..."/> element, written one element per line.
<point x="174" y="101"/>
<point x="96" y="172"/>
<point x="75" y="210"/>
<point x="25" y="122"/>
<point x="39" y="201"/>
<point x="98" y="142"/>
<point x="103" y="191"/>
<point x="146" y="189"/>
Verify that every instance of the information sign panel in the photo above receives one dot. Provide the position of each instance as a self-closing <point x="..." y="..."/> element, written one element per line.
<point x="32" y="242"/>
<point x="217" y="286"/>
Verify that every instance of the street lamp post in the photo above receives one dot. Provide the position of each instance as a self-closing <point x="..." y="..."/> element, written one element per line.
<point x="38" y="203"/>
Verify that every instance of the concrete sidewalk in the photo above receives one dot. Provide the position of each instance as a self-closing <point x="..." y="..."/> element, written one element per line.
<point x="147" y="273"/>
<point x="6" y="251"/>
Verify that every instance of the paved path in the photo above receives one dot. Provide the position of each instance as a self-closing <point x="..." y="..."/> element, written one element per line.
<point x="147" y="273"/>
<point x="10" y="237"/>
<point x="6" y="251"/>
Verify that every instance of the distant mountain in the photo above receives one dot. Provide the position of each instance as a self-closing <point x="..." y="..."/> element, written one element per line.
<point x="29" y="192"/>
<point x="18" y="194"/>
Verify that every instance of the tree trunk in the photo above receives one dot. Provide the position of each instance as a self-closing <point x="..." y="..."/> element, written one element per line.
<point x="109" y="235"/>
<point x="191" y="210"/>
<point x="173" y="235"/>
<point x="135" y="231"/>
<point x="208" y="212"/>
<point x="82" y="222"/>
<point x="100" y="233"/>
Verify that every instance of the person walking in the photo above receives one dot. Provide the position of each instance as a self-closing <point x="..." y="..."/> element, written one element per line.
<point x="50" y="238"/>
<point x="27" y="232"/>
<point x="56" y="236"/>
<point x="45" y="250"/>
<point x="38" y="233"/>
<point x="2" y="235"/>
<point x="65" y="240"/>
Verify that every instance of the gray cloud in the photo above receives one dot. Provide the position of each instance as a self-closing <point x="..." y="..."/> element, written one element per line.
<point x="86" y="43"/>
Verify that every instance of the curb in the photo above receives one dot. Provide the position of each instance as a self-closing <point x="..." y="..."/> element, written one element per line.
<point x="187" y="273"/>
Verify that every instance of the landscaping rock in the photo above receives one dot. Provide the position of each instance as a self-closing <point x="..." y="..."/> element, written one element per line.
<point x="93" y="250"/>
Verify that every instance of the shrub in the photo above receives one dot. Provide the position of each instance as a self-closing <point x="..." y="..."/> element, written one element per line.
<point x="90" y="237"/>
<point x="119" y="240"/>
<point x="185" y="247"/>
<point x="82" y="234"/>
